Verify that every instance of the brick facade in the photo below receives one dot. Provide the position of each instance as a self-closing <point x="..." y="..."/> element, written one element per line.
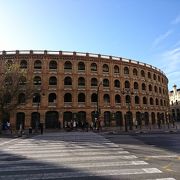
<point x="68" y="82"/>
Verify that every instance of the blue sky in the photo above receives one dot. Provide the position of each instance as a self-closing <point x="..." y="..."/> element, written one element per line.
<point x="143" y="30"/>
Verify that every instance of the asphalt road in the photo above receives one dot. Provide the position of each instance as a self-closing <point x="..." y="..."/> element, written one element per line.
<point x="88" y="155"/>
<point x="160" y="150"/>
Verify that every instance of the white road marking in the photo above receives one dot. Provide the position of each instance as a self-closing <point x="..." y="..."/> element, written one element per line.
<point x="83" y="174"/>
<point x="162" y="179"/>
<point x="163" y="156"/>
<point x="9" y="141"/>
<point x="83" y="166"/>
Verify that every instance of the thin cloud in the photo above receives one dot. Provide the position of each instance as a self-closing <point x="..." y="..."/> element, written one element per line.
<point x="161" y="38"/>
<point x="171" y="59"/>
<point x="176" y="20"/>
<point x="170" y="64"/>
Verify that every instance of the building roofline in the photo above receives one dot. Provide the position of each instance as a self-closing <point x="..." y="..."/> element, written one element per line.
<point x="21" y="52"/>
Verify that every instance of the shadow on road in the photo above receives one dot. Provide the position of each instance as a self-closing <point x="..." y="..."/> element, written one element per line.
<point x="18" y="164"/>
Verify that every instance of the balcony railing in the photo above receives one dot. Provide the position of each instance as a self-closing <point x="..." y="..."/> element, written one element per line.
<point x="67" y="104"/>
<point x="52" y="104"/>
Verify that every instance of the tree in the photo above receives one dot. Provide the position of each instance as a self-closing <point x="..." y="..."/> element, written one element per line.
<point x="15" y="89"/>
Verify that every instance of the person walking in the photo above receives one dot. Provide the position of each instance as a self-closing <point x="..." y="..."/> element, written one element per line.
<point x="41" y="128"/>
<point x="20" y="129"/>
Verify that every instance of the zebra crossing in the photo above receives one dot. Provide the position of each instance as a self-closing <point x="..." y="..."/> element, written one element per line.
<point x="72" y="155"/>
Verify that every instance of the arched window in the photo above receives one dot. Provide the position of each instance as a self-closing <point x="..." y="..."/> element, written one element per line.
<point x="126" y="70"/>
<point x="36" y="98"/>
<point x="159" y="78"/>
<point x="105" y="82"/>
<point x="150" y="87"/>
<point x="81" y="97"/>
<point x="128" y="99"/>
<point x="81" y="81"/>
<point x="52" y="97"/>
<point x="106" y="98"/>
<point x="160" y="90"/>
<point x="81" y="66"/>
<point x="154" y="77"/>
<point x="22" y="80"/>
<point x="23" y="64"/>
<point x="151" y="101"/>
<point x="67" y="81"/>
<point x="164" y="103"/>
<point x="7" y="98"/>
<point x="94" y="97"/>
<point x="116" y="69"/>
<point x="37" y="80"/>
<point x="105" y="68"/>
<point x="161" y="102"/>
<point x="52" y="80"/>
<point x="53" y="65"/>
<point x="155" y="89"/>
<point x="68" y="65"/>
<point x="127" y="84"/>
<point x="163" y="91"/>
<point x="117" y="99"/>
<point x="8" y="81"/>
<point x="135" y="72"/>
<point x="144" y="100"/>
<point x="67" y="97"/>
<point x="117" y="83"/>
<point x="93" y="67"/>
<point x="93" y="82"/>
<point x="157" y="102"/>
<point x="21" y="98"/>
<point x="136" y="99"/>
<point x="143" y="87"/>
<point x="37" y="64"/>
<point x="149" y="75"/>
<point x="142" y="73"/>
<point x="135" y="85"/>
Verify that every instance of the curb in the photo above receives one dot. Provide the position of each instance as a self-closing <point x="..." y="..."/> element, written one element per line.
<point x="141" y="132"/>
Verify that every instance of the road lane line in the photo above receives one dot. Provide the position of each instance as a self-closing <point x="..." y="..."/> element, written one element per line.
<point x="77" y="166"/>
<point x="163" y="156"/>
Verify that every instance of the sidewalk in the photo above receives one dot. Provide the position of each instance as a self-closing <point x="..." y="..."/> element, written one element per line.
<point x="109" y="130"/>
<point x="144" y="130"/>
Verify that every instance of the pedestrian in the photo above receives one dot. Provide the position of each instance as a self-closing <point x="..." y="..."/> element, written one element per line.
<point x="20" y="129"/>
<point x="136" y="123"/>
<point x="173" y="122"/>
<point x="159" y="123"/>
<point x="41" y="128"/>
<point x="86" y="125"/>
<point x="9" y="127"/>
<point x="91" y="126"/>
<point x="74" y="124"/>
<point x="101" y="123"/>
<point x="65" y="124"/>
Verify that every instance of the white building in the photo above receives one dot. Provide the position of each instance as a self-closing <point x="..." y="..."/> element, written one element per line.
<point x="174" y="98"/>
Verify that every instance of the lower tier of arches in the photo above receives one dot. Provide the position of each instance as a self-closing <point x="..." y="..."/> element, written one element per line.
<point x="56" y="119"/>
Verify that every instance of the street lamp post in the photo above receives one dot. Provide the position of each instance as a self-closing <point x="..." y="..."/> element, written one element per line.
<point x="127" y="116"/>
<point x="37" y="117"/>
<point x="37" y="100"/>
<point x="97" y="105"/>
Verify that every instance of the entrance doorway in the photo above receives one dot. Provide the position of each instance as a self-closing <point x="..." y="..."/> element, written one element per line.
<point x="20" y="120"/>
<point x="35" y="120"/>
<point x="51" y="120"/>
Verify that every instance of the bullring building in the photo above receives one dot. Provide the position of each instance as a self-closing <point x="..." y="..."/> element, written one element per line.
<point x="83" y="86"/>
